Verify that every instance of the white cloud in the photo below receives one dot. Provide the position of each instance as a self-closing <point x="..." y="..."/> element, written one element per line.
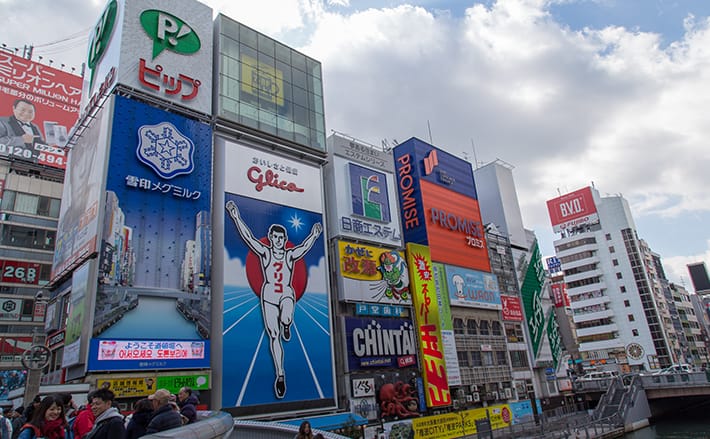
<point x="317" y="278"/>
<point x="234" y="271"/>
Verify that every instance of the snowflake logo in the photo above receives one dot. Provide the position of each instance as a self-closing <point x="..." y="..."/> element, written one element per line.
<point x="165" y="150"/>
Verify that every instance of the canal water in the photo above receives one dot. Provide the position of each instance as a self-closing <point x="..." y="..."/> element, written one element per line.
<point x="154" y="318"/>
<point x="688" y="424"/>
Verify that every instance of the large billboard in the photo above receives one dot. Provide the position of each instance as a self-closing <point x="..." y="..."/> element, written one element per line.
<point x="77" y="316"/>
<point x="428" y="321"/>
<point x="531" y="292"/>
<point x="156" y="246"/>
<point x="361" y="193"/>
<point x="572" y="210"/>
<point x="82" y="192"/>
<point x="372" y="274"/>
<point x="38" y="107"/>
<point x="511" y="308"/>
<point x="160" y="48"/>
<point x="380" y="343"/>
<point x="276" y="303"/>
<point x="438" y="205"/>
<point x="472" y="288"/>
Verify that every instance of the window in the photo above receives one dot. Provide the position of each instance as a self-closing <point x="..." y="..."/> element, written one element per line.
<point x="615" y="262"/>
<point x="514" y="332"/>
<point x="635" y="332"/>
<point x="501" y="358"/>
<point x="463" y="357"/>
<point x="518" y="359"/>
<point x="18" y="236"/>
<point x="30" y="204"/>
<point x="495" y="327"/>
<point x="619" y="276"/>
<point x="622" y="289"/>
<point x="484" y="327"/>
<point x="627" y="303"/>
<point x="26" y="203"/>
<point x="611" y="249"/>
<point x="472" y="327"/>
<point x="487" y="359"/>
<point x="458" y="326"/>
<point x="608" y="236"/>
<point x="475" y="359"/>
<point x="631" y="317"/>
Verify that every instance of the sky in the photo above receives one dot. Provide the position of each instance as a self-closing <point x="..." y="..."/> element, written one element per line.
<point x="569" y="92"/>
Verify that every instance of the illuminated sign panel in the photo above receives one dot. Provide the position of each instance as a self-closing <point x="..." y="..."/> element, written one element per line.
<point x="38" y="107"/>
<point x="453" y="371"/>
<point x="380" y="343"/>
<point x="472" y="288"/>
<point x="276" y="294"/>
<point x="531" y="291"/>
<point x="373" y="274"/>
<point x="113" y="355"/>
<point x="426" y="311"/>
<point x="512" y="308"/>
<point x="572" y="210"/>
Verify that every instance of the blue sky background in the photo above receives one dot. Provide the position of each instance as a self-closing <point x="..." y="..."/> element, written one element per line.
<point x="568" y="92"/>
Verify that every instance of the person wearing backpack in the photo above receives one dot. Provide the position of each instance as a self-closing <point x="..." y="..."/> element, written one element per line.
<point x="47" y="421"/>
<point x="83" y="422"/>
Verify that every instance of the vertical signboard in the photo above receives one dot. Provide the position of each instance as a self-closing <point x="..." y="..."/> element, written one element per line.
<point x="78" y="315"/>
<point x="426" y="312"/>
<point x="82" y="192"/>
<point x="511" y="308"/>
<point x="372" y="274"/>
<point x="38" y="107"/>
<point x="276" y="306"/>
<point x="164" y="49"/>
<point x="453" y="371"/>
<point x="572" y="210"/>
<point x="554" y="337"/>
<point x="531" y="292"/>
<point x="156" y="248"/>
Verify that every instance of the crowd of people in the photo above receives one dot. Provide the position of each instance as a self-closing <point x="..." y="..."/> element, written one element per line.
<point x="58" y="417"/>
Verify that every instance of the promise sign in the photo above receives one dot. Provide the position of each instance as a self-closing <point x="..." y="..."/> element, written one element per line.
<point x="428" y="321"/>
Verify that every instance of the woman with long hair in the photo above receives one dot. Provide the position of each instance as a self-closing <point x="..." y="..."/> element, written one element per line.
<point x="48" y="420"/>
<point x="304" y="431"/>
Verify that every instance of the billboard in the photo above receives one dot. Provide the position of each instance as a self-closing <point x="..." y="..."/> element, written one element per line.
<point x="82" y="192"/>
<point x="558" y="291"/>
<point x="511" y="308"/>
<point x="428" y="321"/>
<point x="19" y="272"/>
<point x="38" y="107"/>
<point x="77" y="315"/>
<point x="531" y="292"/>
<point x="554" y="337"/>
<point x="380" y="343"/>
<point x="572" y="210"/>
<point x="448" y="338"/>
<point x="372" y="274"/>
<point x="164" y="49"/>
<point x="156" y="245"/>
<point x="472" y="288"/>
<point x="276" y="303"/>
<point x="367" y="209"/>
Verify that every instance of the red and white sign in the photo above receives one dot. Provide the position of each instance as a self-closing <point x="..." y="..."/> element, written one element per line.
<point x="38" y="107"/>
<point x="512" y="308"/>
<point x="572" y="210"/>
<point x="559" y="295"/>
<point x="19" y="272"/>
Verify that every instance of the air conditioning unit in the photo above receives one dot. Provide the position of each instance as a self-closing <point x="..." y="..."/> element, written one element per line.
<point x="508" y="393"/>
<point x="474" y="388"/>
<point x="469" y="398"/>
<point x="476" y="397"/>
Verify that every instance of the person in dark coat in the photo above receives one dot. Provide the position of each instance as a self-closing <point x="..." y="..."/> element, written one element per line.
<point x="140" y="419"/>
<point x="187" y="401"/>
<point x="164" y="417"/>
<point x="108" y="422"/>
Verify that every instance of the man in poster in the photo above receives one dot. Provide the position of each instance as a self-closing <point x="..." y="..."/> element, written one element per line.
<point x="18" y="130"/>
<point x="277" y="296"/>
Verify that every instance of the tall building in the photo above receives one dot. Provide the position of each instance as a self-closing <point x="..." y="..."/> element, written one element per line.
<point x="609" y="276"/>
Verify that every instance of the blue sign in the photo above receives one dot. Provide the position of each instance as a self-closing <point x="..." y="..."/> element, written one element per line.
<point x="377" y="310"/>
<point x="368" y="189"/>
<point x="472" y="288"/>
<point x="126" y="355"/>
<point x="380" y="343"/>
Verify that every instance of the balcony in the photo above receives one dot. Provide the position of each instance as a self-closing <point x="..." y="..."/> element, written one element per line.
<point x="601" y="345"/>
<point x="589" y="316"/>
<point x="597" y="330"/>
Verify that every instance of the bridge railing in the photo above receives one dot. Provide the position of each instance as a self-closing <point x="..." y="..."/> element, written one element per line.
<point x="691" y="379"/>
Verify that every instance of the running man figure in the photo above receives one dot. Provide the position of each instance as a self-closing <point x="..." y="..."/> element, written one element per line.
<point x="277" y="296"/>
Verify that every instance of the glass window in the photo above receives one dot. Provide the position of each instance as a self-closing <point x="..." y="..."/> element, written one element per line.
<point x="298" y="79"/>
<point x="487" y="358"/>
<point x="8" y="200"/>
<point x="495" y="326"/>
<point x="266" y="45"/>
<point x="26" y="203"/>
<point x="458" y="326"/>
<point x="282" y="53"/>
<point x="472" y="327"/>
<point x="476" y="359"/>
<point x="619" y="276"/>
<point x="247" y="36"/>
<point x="484" y="327"/>
<point x="298" y="61"/>
<point x="501" y="358"/>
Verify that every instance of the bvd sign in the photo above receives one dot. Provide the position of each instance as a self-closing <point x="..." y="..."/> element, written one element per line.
<point x="572" y="210"/>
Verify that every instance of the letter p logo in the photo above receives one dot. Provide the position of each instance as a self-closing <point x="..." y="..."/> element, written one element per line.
<point x="169" y="32"/>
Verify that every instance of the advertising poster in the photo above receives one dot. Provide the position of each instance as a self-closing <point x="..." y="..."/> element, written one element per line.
<point x="531" y="292"/>
<point x="77" y="315"/>
<point x="472" y="288"/>
<point x="373" y="274"/>
<point x="82" y="192"/>
<point x="38" y="107"/>
<point x="173" y="384"/>
<point x="276" y="306"/>
<point x="462" y="423"/>
<point x="380" y="343"/>
<point x="453" y="370"/>
<point x="129" y="387"/>
<point x="428" y="322"/>
<point x="156" y="246"/>
<point x="554" y="337"/>
<point x="512" y="308"/>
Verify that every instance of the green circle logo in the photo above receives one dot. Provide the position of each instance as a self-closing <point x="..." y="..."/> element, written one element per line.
<point x="102" y="34"/>
<point x="169" y="32"/>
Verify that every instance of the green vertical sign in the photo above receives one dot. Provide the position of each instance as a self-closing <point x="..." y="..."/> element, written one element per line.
<point x="532" y="298"/>
<point x="553" y="336"/>
<point x="442" y="297"/>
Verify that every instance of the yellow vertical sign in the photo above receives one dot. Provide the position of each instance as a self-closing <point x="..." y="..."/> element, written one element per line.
<point x="426" y="312"/>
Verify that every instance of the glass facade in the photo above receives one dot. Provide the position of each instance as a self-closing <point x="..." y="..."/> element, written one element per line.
<point x="268" y="86"/>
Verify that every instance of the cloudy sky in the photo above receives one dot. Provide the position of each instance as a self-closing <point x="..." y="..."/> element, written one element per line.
<point x="569" y="92"/>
